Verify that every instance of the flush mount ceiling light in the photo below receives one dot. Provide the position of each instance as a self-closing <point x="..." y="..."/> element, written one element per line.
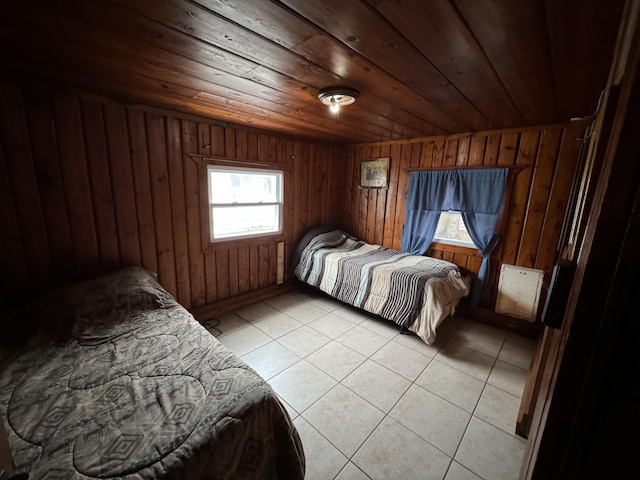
<point x="336" y="97"/>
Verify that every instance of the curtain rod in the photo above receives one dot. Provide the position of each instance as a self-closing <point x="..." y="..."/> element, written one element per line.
<point x="515" y="168"/>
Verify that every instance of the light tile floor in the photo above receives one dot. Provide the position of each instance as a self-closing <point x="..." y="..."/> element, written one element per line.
<point x="372" y="403"/>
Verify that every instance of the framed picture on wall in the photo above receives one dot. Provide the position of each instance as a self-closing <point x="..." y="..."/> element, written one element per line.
<point x="374" y="172"/>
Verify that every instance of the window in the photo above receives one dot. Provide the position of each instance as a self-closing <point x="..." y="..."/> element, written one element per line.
<point x="451" y="230"/>
<point x="244" y="202"/>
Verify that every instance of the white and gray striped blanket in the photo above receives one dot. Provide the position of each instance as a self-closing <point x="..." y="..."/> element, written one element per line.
<point x="414" y="291"/>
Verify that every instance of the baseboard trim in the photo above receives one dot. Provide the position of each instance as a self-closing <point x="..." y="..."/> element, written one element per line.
<point x="206" y="312"/>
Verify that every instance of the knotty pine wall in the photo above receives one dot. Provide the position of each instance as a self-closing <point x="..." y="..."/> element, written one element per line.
<point x="541" y="190"/>
<point x="89" y="185"/>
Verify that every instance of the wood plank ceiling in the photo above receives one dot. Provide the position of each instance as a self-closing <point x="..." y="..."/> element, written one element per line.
<point x="422" y="67"/>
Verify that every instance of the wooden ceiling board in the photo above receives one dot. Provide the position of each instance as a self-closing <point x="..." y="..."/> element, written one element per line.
<point x="422" y="68"/>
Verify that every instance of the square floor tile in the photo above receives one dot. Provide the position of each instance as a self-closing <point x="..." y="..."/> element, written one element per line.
<point x="301" y="385"/>
<point x="245" y="339"/>
<point x="386" y="328"/>
<point x="490" y="452"/>
<point x="344" y="418"/>
<point x="395" y="452"/>
<point x="336" y="360"/>
<point x="508" y="378"/>
<point x="379" y="385"/>
<point x="518" y="350"/>
<point x="458" y="472"/>
<point x="351" y="472"/>
<point x="363" y="341"/>
<point x="323" y="460"/>
<point x="225" y="324"/>
<point x="286" y="300"/>
<point x="277" y="324"/>
<point x="304" y="340"/>
<point x="256" y="311"/>
<point x="270" y="359"/>
<point x="438" y="421"/>
<point x="480" y="337"/>
<point x="414" y="342"/>
<point x="325" y="302"/>
<point x="466" y="360"/>
<point x="331" y="325"/>
<point x="400" y="359"/>
<point x="498" y="408"/>
<point x="305" y="312"/>
<point x="354" y="315"/>
<point x="453" y="385"/>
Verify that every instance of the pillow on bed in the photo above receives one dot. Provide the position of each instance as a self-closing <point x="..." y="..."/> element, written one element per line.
<point x="63" y="313"/>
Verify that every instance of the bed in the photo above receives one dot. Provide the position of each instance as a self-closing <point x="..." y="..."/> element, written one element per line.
<point x="414" y="291"/>
<point x="118" y="380"/>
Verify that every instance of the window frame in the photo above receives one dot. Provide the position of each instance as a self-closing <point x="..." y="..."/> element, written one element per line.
<point x="448" y="241"/>
<point x="202" y="162"/>
<point x="280" y="182"/>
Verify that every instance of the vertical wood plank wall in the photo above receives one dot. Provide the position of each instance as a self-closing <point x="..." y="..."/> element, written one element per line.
<point x="536" y="208"/>
<point x="88" y="185"/>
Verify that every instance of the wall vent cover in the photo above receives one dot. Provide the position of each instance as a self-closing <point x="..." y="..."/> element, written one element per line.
<point x="519" y="291"/>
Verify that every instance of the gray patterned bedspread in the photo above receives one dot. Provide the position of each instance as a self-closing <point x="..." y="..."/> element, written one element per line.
<point x="122" y="382"/>
<point x="413" y="291"/>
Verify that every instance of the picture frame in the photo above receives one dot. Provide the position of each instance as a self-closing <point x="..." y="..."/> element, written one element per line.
<point x="374" y="172"/>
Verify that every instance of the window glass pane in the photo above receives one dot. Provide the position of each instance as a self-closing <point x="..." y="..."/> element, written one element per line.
<point x="238" y="186"/>
<point x="451" y="229"/>
<point x="245" y="221"/>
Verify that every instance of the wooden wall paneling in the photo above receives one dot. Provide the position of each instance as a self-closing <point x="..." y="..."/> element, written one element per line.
<point x="229" y="142"/>
<point x="254" y="267"/>
<point x="159" y="174"/>
<point x="348" y="190"/>
<point x="372" y="198"/>
<point x="75" y="176"/>
<point x="253" y="154"/>
<point x="243" y="270"/>
<point x="142" y="188"/>
<point x="450" y="152"/>
<point x="49" y="177"/>
<point x="285" y="158"/>
<point x="13" y="264"/>
<point x="296" y="212"/>
<point x="264" y="265"/>
<point x="491" y="150"/>
<point x="304" y="187"/>
<point x="363" y="197"/>
<point x="216" y="134"/>
<point x="233" y="287"/>
<point x="438" y="153"/>
<point x="559" y="197"/>
<point x="24" y="186"/>
<point x="223" y="273"/>
<point x="271" y="147"/>
<point x="392" y="195"/>
<point x="462" y="156"/>
<point x="203" y="147"/>
<point x="123" y="192"/>
<point x="178" y="208"/>
<point x="195" y="228"/>
<point x="478" y="150"/>
<point x="526" y="155"/>
<point x="315" y="197"/>
<point x="403" y="183"/>
<point x="426" y="155"/>
<point x="540" y="187"/>
<point x="100" y="182"/>
<point x="242" y="145"/>
<point x="381" y="204"/>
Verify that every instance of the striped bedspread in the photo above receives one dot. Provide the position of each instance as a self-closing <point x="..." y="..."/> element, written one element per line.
<point x="414" y="291"/>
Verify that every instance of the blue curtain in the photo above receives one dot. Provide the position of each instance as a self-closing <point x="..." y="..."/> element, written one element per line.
<point x="477" y="194"/>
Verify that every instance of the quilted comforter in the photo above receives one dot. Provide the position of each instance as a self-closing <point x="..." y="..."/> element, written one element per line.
<point x="122" y="382"/>
<point x="414" y="291"/>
